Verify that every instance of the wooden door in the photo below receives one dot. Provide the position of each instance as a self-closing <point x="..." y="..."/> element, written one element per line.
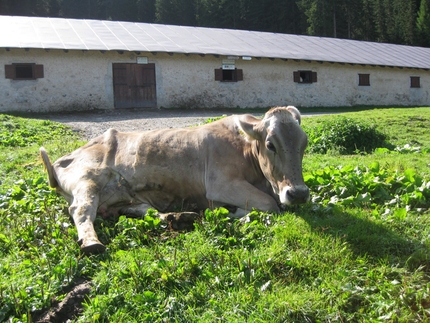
<point x="134" y="85"/>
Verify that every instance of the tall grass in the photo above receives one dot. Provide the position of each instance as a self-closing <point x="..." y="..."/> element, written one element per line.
<point x="360" y="252"/>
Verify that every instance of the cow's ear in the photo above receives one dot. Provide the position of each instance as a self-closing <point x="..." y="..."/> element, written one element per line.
<point x="295" y="113"/>
<point x="248" y="124"/>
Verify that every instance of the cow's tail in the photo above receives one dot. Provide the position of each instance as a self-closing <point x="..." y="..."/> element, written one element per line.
<point x="48" y="166"/>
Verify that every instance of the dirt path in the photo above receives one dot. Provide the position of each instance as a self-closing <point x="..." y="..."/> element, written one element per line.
<point x="94" y="123"/>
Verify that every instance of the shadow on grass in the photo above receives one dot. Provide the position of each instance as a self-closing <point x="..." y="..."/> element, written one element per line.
<point x="371" y="238"/>
<point x="374" y="239"/>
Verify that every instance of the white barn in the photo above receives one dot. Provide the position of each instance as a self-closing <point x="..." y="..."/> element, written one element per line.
<point x="55" y="64"/>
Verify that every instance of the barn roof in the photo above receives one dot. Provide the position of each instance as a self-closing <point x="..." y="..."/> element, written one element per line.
<point x="81" y="34"/>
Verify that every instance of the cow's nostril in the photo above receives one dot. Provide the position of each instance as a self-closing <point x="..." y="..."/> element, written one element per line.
<point x="298" y="195"/>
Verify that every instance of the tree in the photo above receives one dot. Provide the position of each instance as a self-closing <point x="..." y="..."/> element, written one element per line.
<point x="176" y="12"/>
<point x="395" y="20"/>
<point x="17" y="7"/>
<point x="145" y="10"/>
<point x="122" y="10"/>
<point x="219" y="13"/>
<point x="423" y="24"/>
<point x="209" y="13"/>
<point x="52" y="8"/>
<point x="76" y="8"/>
<point x="322" y="16"/>
<point x="272" y="15"/>
<point x="363" y="21"/>
<point x="407" y="15"/>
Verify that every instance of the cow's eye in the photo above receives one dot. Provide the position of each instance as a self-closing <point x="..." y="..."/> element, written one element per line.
<point x="270" y="146"/>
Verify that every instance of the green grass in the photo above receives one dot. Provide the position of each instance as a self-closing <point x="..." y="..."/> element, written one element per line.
<point x="403" y="126"/>
<point x="359" y="253"/>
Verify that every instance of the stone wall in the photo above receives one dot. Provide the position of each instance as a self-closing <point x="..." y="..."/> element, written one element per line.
<point x="82" y="80"/>
<point x="75" y="80"/>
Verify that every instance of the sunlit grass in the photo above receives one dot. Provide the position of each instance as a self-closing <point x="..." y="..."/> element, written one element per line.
<point x="322" y="262"/>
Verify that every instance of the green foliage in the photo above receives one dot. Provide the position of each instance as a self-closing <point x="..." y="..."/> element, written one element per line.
<point x="37" y="241"/>
<point x="344" y="135"/>
<point x="37" y="247"/>
<point x="406" y="149"/>
<point x="132" y="233"/>
<point x="385" y="191"/>
<point x="210" y="120"/>
<point x="360" y="252"/>
<point x="423" y="23"/>
<point x="15" y="133"/>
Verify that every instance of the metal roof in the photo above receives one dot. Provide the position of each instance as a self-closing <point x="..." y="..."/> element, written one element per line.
<point x="82" y="34"/>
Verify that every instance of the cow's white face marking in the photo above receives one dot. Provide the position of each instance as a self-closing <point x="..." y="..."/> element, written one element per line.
<point x="286" y="196"/>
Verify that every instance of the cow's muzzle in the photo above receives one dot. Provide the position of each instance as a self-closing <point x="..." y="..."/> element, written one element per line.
<point x="294" y="195"/>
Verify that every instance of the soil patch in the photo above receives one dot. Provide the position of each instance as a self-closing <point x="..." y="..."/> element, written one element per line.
<point x="70" y="307"/>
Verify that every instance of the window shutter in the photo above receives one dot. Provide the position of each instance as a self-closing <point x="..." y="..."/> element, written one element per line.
<point x="415" y="81"/>
<point x="38" y="71"/>
<point x="9" y="71"/>
<point x="314" y="77"/>
<point x="364" y="79"/>
<point x="218" y="74"/>
<point x="296" y="76"/>
<point x="239" y="75"/>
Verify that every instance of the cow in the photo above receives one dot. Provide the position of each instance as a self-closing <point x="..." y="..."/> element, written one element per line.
<point x="240" y="162"/>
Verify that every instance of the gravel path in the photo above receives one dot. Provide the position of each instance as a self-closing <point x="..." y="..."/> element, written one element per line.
<point x="94" y="123"/>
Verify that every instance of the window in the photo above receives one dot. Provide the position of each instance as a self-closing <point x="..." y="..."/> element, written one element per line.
<point x="305" y="76"/>
<point x="415" y="81"/>
<point x="364" y="79"/>
<point x="228" y="75"/>
<point x="18" y="71"/>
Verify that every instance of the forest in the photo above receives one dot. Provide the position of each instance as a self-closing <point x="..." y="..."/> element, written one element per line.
<point x="392" y="21"/>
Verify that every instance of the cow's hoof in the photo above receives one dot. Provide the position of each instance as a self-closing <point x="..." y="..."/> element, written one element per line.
<point x="181" y="220"/>
<point x="92" y="247"/>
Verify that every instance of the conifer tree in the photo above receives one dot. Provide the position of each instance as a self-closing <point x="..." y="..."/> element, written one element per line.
<point x="423" y="24"/>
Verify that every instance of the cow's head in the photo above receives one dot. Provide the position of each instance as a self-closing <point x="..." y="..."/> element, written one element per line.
<point x="279" y="143"/>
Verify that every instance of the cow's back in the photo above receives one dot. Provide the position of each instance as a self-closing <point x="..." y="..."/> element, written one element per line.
<point x="163" y="168"/>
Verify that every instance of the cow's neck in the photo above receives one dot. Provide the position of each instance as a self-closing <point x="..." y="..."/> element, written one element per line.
<point x="254" y="154"/>
<point x="265" y="185"/>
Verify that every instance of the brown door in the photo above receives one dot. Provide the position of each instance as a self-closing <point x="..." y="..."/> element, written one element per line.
<point x="134" y="85"/>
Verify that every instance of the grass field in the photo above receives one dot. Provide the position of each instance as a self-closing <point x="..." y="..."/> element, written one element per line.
<point x="359" y="252"/>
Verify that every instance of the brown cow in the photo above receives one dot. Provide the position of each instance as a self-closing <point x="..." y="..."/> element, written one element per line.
<point x="239" y="161"/>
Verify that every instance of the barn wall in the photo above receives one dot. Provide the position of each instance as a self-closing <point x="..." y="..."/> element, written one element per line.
<point x="338" y="84"/>
<point x="75" y="80"/>
<point x="189" y="81"/>
<point x="79" y="80"/>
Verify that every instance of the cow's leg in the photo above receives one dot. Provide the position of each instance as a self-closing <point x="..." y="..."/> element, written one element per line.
<point x="83" y="210"/>
<point x="180" y="220"/>
<point x="135" y="211"/>
<point x="244" y="196"/>
<point x="176" y="220"/>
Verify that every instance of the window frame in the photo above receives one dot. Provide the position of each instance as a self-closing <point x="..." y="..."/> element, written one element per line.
<point x="236" y="75"/>
<point x="363" y="79"/>
<point x="37" y="71"/>
<point x="415" y="82"/>
<point x="311" y="76"/>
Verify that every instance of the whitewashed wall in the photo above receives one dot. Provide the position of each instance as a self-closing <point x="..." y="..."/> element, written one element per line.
<point x="78" y="80"/>
<point x="73" y="80"/>
<point x="189" y="81"/>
